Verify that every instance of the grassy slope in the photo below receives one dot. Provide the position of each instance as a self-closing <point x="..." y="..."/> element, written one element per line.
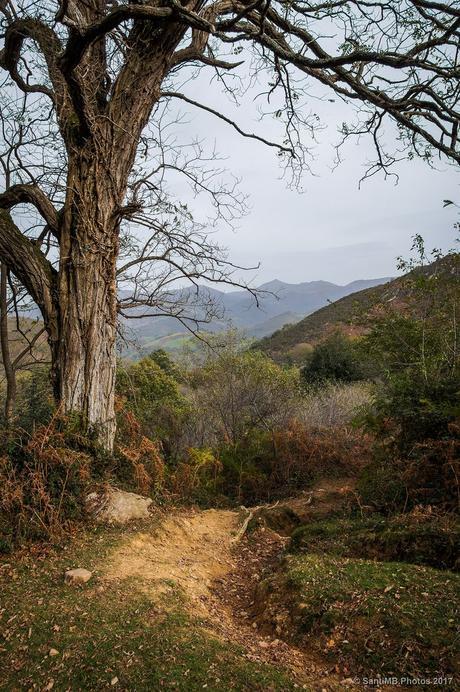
<point x="314" y="327"/>
<point x="370" y="616"/>
<point x="103" y="633"/>
<point x="379" y="617"/>
<point x="430" y="541"/>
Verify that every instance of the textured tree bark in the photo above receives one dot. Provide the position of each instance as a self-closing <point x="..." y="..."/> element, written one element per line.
<point x="10" y="374"/>
<point x="85" y="363"/>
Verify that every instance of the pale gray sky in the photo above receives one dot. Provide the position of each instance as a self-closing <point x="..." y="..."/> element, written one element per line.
<point x="331" y="230"/>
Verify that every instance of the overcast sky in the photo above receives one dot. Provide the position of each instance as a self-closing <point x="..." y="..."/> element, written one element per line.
<point x="332" y="229"/>
<point x="335" y="231"/>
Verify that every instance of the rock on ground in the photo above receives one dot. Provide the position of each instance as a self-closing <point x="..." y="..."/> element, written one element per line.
<point x="115" y="506"/>
<point x="77" y="576"/>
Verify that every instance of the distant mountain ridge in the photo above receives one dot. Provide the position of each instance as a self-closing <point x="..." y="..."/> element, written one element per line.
<point x="280" y="303"/>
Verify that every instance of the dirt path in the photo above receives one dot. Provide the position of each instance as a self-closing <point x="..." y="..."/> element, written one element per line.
<point x="190" y="550"/>
<point x="196" y="552"/>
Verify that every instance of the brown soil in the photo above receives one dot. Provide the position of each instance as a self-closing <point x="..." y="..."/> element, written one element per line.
<point x="189" y="550"/>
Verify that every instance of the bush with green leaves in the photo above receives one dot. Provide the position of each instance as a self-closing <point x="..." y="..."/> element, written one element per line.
<point x="236" y="393"/>
<point x="334" y="359"/>
<point x="153" y="395"/>
<point x="418" y="348"/>
<point x="416" y="409"/>
<point x="238" y="401"/>
<point x="166" y="363"/>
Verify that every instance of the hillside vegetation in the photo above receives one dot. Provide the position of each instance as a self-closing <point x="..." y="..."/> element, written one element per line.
<point x="352" y="315"/>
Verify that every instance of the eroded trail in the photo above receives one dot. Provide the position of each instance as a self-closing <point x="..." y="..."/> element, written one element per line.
<point x="190" y="550"/>
<point x="196" y="553"/>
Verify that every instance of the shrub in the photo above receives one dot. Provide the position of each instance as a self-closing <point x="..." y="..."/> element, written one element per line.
<point x="381" y="487"/>
<point x="304" y="454"/>
<point x="266" y="466"/>
<point x="428" y="475"/>
<point x="416" y="408"/>
<point x="198" y="478"/>
<point x="43" y="485"/>
<point x="153" y="396"/>
<point x="334" y="405"/>
<point x="137" y="460"/>
<point x="234" y="395"/>
<point x="166" y="363"/>
<point x="46" y="478"/>
<point x="411" y="408"/>
<point x="333" y="359"/>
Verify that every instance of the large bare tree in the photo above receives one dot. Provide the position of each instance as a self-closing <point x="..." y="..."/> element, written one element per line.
<point x="90" y="78"/>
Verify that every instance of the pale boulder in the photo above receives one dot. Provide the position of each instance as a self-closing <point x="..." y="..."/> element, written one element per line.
<point x="77" y="576"/>
<point x="115" y="506"/>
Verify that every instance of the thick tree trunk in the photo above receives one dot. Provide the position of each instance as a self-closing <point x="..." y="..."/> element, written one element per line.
<point x="85" y="363"/>
<point x="10" y="374"/>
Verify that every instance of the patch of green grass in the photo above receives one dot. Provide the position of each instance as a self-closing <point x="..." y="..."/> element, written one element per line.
<point x="107" y="630"/>
<point x="376" y="617"/>
<point x="425" y="541"/>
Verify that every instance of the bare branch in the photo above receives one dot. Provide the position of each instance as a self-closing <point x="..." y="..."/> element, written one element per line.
<point x="29" y="265"/>
<point x="31" y="194"/>
<point x="221" y="116"/>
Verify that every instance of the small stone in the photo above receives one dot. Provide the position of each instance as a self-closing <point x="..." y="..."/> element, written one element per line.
<point x="53" y="652"/>
<point x="77" y="576"/>
<point x="263" y="645"/>
<point x="114" y="681"/>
